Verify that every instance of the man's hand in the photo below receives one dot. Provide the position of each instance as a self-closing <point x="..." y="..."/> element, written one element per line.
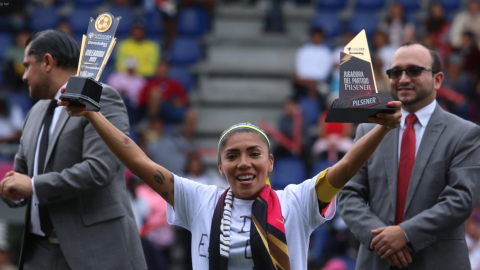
<point x="400" y="258"/>
<point x="16" y="186"/>
<point x="388" y="240"/>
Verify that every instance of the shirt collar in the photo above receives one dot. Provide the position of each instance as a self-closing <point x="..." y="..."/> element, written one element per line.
<point x="423" y="115"/>
<point x="59" y="92"/>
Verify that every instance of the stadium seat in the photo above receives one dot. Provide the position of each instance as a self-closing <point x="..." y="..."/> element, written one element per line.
<point x="153" y="24"/>
<point x="90" y="3"/>
<point x="6" y="40"/>
<point x="369" y="5"/>
<point x="310" y="108"/>
<point x="328" y="22"/>
<point x="44" y="18"/>
<point x="409" y="5"/>
<point x="364" y="20"/>
<point x="22" y="99"/>
<point x="80" y="19"/>
<point x="331" y="5"/>
<point x="185" y="50"/>
<point x="182" y="74"/>
<point x="193" y="22"/>
<point x="288" y="170"/>
<point x="319" y="166"/>
<point x="126" y="22"/>
<point x="450" y="5"/>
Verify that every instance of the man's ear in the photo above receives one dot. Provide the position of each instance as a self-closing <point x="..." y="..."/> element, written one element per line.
<point x="48" y="62"/>
<point x="220" y="169"/>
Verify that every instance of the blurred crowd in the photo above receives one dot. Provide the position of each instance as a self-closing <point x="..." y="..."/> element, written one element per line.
<point x="159" y="40"/>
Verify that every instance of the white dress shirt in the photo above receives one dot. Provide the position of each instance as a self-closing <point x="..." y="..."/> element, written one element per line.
<point x="423" y="116"/>
<point x="34" y="215"/>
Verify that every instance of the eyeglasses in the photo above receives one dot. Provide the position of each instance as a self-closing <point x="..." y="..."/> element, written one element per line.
<point x="411" y="71"/>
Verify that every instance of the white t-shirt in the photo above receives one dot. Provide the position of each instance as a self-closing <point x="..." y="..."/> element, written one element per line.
<point x="195" y="204"/>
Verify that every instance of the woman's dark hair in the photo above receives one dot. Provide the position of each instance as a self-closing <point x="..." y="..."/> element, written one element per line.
<point x="63" y="48"/>
<point x="226" y="134"/>
<point x="436" y="64"/>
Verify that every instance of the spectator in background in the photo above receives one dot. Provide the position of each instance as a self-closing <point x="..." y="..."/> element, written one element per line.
<point x="466" y="21"/>
<point x="397" y="27"/>
<point x="13" y="63"/>
<point x="471" y="55"/>
<point x="5" y="263"/>
<point x="165" y="146"/>
<point x="145" y="51"/>
<point x="11" y="122"/>
<point x="472" y="236"/>
<point x="382" y="49"/>
<point x="166" y="98"/>
<point x="438" y="26"/>
<point x="195" y="171"/>
<point x="381" y="79"/>
<point x="333" y="140"/>
<point x="12" y="17"/>
<point x="312" y="66"/>
<point x="129" y="85"/>
<point x="140" y="207"/>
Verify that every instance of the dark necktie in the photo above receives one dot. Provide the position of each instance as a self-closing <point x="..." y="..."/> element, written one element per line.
<point x="45" y="221"/>
<point x="405" y="166"/>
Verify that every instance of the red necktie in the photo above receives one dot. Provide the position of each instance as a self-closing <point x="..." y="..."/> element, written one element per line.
<point x="405" y="166"/>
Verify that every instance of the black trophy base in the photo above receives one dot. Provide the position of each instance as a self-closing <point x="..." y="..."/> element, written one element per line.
<point x="84" y="92"/>
<point x="359" y="108"/>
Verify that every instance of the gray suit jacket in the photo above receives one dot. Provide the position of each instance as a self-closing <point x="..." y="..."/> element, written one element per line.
<point x="443" y="191"/>
<point x="83" y="188"/>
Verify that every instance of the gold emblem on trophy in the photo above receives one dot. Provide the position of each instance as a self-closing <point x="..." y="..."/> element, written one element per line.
<point x="103" y="23"/>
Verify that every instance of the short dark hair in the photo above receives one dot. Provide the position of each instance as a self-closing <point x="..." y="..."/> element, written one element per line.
<point x="436" y="64"/>
<point x="63" y="48"/>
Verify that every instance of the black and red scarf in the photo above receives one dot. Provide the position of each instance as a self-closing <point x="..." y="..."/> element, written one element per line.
<point x="267" y="234"/>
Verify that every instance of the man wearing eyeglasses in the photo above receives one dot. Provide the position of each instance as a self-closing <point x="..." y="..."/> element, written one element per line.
<point x="408" y="204"/>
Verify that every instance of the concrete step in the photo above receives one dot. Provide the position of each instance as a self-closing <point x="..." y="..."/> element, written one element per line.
<point x="244" y="91"/>
<point x="250" y="32"/>
<point x="213" y="121"/>
<point x="242" y="60"/>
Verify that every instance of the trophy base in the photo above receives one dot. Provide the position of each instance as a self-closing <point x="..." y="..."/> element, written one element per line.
<point x="84" y="92"/>
<point x="359" y="108"/>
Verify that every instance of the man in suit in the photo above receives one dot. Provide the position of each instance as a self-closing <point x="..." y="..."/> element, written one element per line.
<point x="408" y="204"/>
<point x="78" y="212"/>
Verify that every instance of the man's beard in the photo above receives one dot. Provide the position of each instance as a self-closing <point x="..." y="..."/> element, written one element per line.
<point x="41" y="89"/>
<point x="420" y="94"/>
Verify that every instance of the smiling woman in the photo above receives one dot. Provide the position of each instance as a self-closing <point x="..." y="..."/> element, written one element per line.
<point x="249" y="225"/>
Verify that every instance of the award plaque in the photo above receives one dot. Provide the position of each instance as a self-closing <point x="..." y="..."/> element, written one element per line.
<point x="359" y="99"/>
<point x="84" y="89"/>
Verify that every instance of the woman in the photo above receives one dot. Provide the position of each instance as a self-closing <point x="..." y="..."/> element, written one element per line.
<point x="248" y="225"/>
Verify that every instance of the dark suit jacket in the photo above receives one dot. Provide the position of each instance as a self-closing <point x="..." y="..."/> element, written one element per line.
<point x="83" y="188"/>
<point x="443" y="191"/>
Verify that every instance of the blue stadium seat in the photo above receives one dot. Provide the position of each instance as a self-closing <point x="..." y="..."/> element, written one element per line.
<point x="369" y="5"/>
<point x="79" y="20"/>
<point x="6" y="40"/>
<point x="153" y="24"/>
<point x="331" y="5"/>
<point x="328" y="22"/>
<point x="319" y="166"/>
<point x="126" y="22"/>
<point x="289" y="170"/>
<point x="185" y="50"/>
<point x="193" y="22"/>
<point x="182" y="74"/>
<point x="450" y="5"/>
<point x="43" y="18"/>
<point x="364" y="20"/>
<point x="311" y="109"/>
<point x="90" y="3"/>
<point x="22" y="99"/>
<point x="409" y="5"/>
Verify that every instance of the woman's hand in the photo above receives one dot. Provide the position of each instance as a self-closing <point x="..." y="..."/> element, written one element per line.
<point x="389" y="120"/>
<point x="72" y="110"/>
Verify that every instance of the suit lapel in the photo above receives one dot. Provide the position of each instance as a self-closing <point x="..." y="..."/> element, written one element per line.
<point x="36" y="118"/>
<point x="432" y="133"/>
<point x="62" y="119"/>
<point x="391" y="163"/>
